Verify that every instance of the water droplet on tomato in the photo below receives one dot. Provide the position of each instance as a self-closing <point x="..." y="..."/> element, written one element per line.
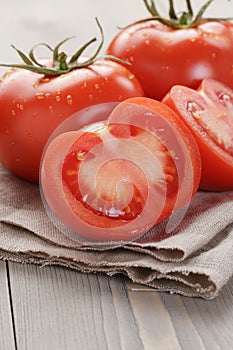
<point x="147" y="42"/>
<point x="131" y="76"/>
<point x="35" y="85"/>
<point x="168" y="40"/>
<point x="13" y="113"/>
<point x="58" y="98"/>
<point x="164" y="68"/>
<point x="40" y="95"/>
<point x="45" y="80"/>
<point x="69" y="99"/>
<point x="131" y="59"/>
<point x="47" y="95"/>
<point x="90" y="97"/>
<point x="6" y="75"/>
<point x="97" y="86"/>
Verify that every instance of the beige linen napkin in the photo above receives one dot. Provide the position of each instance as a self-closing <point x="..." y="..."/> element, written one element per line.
<point x="195" y="261"/>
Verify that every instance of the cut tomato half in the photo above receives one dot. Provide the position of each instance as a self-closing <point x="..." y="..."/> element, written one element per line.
<point x="113" y="180"/>
<point x="208" y="112"/>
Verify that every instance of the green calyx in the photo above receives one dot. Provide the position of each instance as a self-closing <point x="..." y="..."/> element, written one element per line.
<point x="60" y="63"/>
<point x="186" y="19"/>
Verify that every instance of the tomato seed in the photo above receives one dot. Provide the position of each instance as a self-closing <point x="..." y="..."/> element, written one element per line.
<point x="194" y="109"/>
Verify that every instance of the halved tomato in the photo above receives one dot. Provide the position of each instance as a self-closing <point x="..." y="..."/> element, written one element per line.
<point x="208" y="112"/>
<point x="113" y="180"/>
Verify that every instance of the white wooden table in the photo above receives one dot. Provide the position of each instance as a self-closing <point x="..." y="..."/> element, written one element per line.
<point x="54" y="308"/>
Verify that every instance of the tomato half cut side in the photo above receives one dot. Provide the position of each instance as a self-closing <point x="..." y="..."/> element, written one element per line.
<point x="94" y="190"/>
<point x="113" y="180"/>
<point x="208" y="112"/>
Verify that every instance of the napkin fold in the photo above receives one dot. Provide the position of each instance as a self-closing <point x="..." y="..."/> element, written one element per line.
<point x="194" y="259"/>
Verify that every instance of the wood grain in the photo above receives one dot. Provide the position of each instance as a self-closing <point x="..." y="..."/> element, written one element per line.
<point x="57" y="309"/>
<point x="6" y="325"/>
<point x="181" y="322"/>
<point x="153" y="320"/>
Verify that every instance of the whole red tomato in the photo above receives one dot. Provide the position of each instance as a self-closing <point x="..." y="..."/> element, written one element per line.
<point x="32" y="105"/>
<point x="180" y="50"/>
<point x="113" y="180"/>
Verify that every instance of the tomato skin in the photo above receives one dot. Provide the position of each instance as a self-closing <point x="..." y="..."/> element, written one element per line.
<point x="217" y="163"/>
<point x="162" y="56"/>
<point x="146" y="145"/>
<point x="33" y="105"/>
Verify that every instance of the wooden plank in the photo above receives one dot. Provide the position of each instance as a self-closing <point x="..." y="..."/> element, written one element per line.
<point x="6" y="325"/>
<point x="174" y="322"/>
<point x="202" y="323"/>
<point x="56" y="308"/>
<point x="213" y="319"/>
<point x="154" y="323"/>
<point x="186" y="332"/>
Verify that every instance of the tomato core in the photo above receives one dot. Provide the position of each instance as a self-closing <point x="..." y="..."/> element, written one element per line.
<point x="119" y="188"/>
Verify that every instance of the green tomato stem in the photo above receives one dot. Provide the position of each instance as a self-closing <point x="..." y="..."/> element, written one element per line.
<point x="60" y="65"/>
<point x="189" y="7"/>
<point x="186" y="18"/>
<point x="172" y="13"/>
